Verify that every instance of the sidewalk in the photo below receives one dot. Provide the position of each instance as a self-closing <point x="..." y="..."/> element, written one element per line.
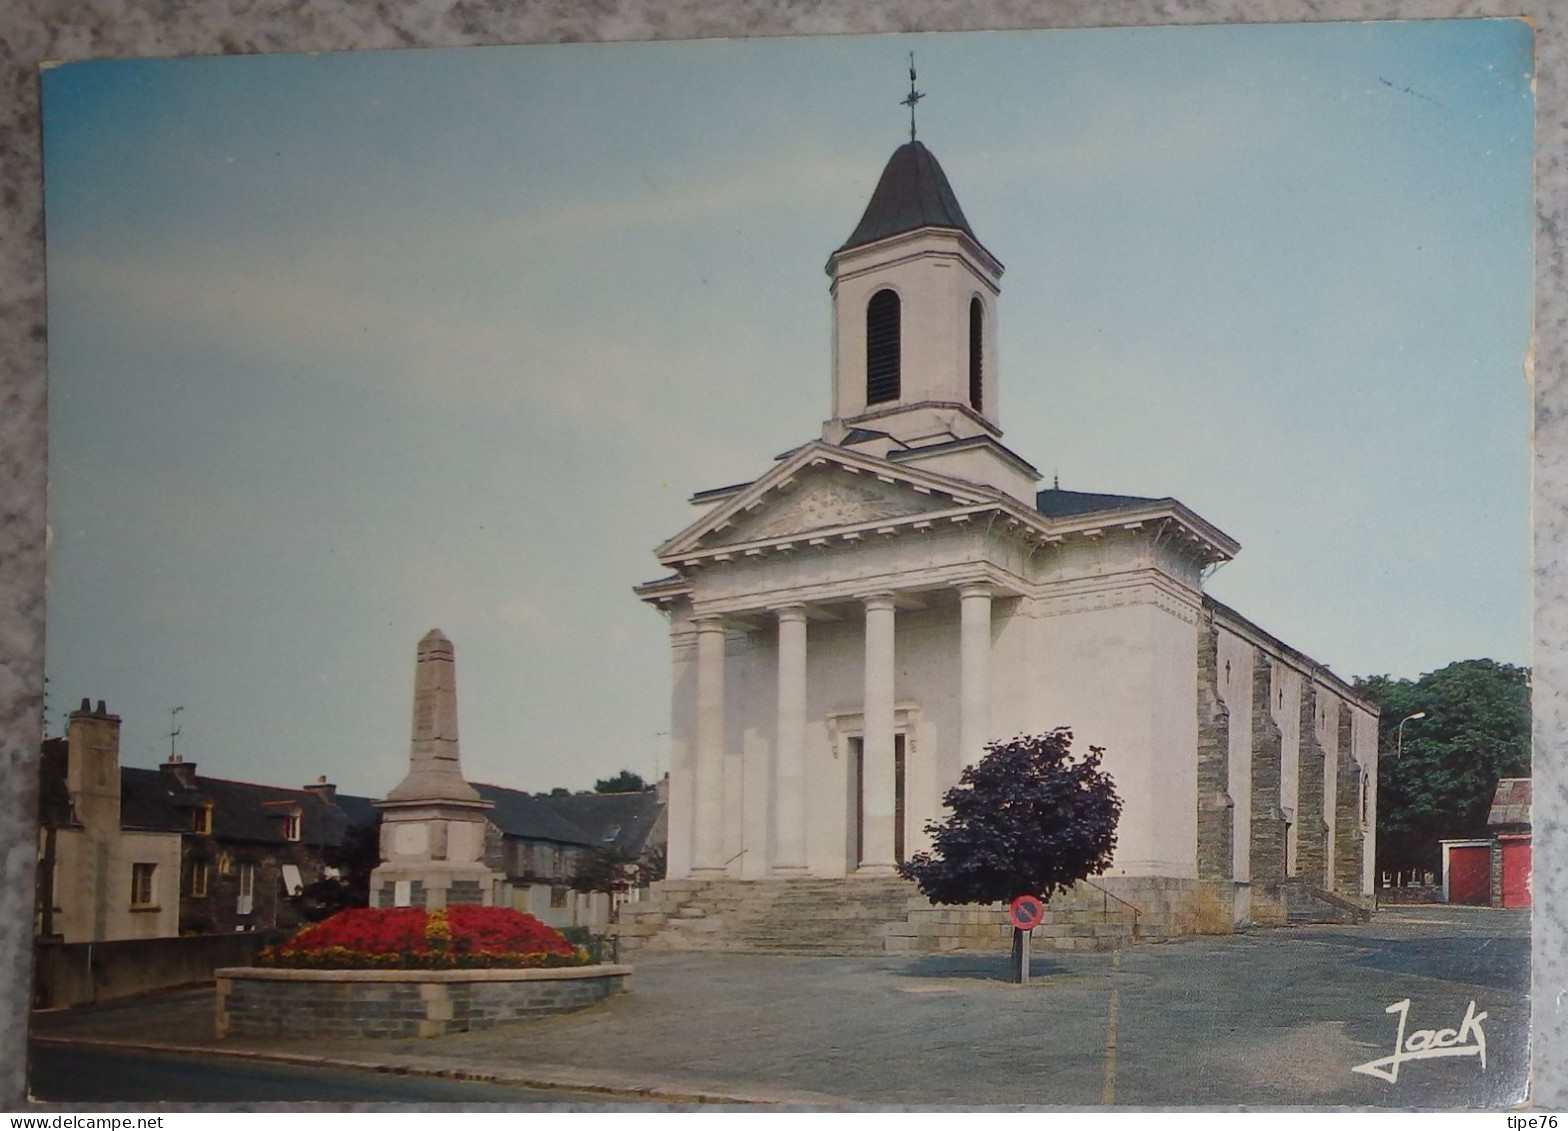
<point x="1270" y="1018"/>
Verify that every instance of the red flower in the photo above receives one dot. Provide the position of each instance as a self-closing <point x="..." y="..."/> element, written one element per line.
<point x="398" y="936"/>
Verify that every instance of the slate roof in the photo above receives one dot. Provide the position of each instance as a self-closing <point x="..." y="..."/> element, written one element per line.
<point x="1056" y="503"/>
<point x="913" y="193"/>
<point x="583" y="819"/>
<point x="1511" y="803"/>
<point x="241" y="811"/>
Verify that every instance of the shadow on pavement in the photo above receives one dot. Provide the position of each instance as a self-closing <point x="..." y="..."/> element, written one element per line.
<point x="981" y="967"/>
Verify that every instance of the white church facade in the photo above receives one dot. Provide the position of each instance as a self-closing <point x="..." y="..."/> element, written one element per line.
<point x="849" y="629"/>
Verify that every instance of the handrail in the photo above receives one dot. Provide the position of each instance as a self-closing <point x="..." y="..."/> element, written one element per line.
<point x="732" y="859"/>
<point x="1114" y="896"/>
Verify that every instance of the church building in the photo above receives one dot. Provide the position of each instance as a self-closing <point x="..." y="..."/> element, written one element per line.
<point x="850" y="628"/>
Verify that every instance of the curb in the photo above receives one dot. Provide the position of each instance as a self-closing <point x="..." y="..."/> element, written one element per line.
<point x="542" y="1083"/>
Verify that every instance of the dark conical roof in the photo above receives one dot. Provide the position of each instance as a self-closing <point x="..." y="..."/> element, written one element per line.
<point x="913" y="193"/>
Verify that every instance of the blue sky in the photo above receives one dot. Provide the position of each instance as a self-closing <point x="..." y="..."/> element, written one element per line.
<point x="346" y="347"/>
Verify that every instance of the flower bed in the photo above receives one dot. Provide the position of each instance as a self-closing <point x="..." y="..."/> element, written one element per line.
<point x="410" y="938"/>
<point x="406" y="972"/>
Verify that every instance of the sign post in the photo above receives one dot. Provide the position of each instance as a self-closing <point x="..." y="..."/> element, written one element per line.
<point x="1025" y="913"/>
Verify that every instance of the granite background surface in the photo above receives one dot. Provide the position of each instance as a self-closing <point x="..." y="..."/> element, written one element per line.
<point x="32" y="31"/>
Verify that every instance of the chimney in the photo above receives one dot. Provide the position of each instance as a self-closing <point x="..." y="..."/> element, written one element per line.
<point x="323" y="789"/>
<point x="183" y="772"/>
<point x="92" y="767"/>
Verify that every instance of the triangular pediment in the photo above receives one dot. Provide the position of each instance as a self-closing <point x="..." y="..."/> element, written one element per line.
<point x="821" y="488"/>
<point x="826" y="498"/>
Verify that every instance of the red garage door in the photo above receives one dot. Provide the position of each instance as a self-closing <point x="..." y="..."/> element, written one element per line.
<point x="1516" y="872"/>
<point x="1470" y="874"/>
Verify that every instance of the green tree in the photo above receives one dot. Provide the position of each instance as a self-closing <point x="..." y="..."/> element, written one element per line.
<point x="1437" y="783"/>
<point x="623" y="782"/>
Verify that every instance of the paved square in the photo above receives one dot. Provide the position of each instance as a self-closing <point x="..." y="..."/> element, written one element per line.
<point x="1267" y="1018"/>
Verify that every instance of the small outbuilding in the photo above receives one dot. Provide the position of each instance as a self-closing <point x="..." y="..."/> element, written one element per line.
<point x="1494" y="871"/>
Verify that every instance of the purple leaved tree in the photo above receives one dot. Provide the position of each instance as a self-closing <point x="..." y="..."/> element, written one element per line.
<point x="1027" y="819"/>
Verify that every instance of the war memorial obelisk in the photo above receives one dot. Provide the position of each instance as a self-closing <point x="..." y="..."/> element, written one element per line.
<point x="433" y="822"/>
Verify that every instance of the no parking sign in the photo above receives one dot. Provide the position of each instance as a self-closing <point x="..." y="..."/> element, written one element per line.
<point x="1026" y="912"/>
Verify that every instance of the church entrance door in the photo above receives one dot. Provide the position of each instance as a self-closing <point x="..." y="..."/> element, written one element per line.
<point x="858" y="753"/>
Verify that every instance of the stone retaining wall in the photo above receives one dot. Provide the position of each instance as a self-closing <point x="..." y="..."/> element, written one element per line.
<point x="276" y="1002"/>
<point x="1084" y="918"/>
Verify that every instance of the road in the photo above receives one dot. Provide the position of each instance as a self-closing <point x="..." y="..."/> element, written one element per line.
<point x="62" y="1074"/>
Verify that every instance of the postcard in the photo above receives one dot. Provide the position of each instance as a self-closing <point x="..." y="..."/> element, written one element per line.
<point x="958" y="569"/>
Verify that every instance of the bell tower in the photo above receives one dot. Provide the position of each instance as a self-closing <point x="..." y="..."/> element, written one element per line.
<point x="914" y="333"/>
<point x="914" y="314"/>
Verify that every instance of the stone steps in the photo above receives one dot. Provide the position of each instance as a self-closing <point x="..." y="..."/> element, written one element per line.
<point x="852" y="916"/>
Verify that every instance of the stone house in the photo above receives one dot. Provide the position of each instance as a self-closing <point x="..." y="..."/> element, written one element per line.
<point x="146" y="853"/>
<point x="539" y="843"/>
<point x="849" y="628"/>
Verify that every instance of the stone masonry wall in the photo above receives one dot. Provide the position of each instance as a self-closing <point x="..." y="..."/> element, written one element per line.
<point x="1348" y="844"/>
<point x="1216" y="810"/>
<point x="1311" y="828"/>
<point x="1113" y="912"/>
<point x="1267" y="841"/>
<point x="342" y="1009"/>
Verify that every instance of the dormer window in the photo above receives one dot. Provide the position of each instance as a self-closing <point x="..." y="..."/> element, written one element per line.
<point x="882" y="348"/>
<point x="201" y="820"/>
<point x="291" y="823"/>
<point x="976" y="352"/>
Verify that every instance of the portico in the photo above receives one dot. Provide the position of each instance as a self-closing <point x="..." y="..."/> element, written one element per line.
<point x="880" y="728"/>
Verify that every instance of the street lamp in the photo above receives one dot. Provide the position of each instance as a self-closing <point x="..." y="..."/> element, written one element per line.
<point x="1399" y="745"/>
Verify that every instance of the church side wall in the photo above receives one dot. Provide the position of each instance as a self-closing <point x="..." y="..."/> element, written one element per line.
<point x="1364" y="728"/>
<point x="1285" y="703"/>
<point x="1325" y="742"/>
<point x="1234" y="660"/>
<point x="1123" y="677"/>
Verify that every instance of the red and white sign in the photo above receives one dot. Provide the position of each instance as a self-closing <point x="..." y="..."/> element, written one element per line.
<point x="1026" y="912"/>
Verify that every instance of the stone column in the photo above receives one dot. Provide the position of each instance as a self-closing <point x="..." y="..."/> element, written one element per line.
<point x="877" y="799"/>
<point x="789" y="848"/>
<point x="974" y="727"/>
<point x="708" y="807"/>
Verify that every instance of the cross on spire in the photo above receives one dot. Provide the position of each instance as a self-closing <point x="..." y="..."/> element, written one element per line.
<point x="912" y="97"/>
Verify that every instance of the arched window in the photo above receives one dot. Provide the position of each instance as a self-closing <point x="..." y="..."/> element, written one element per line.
<point x="882" y="348"/>
<point x="976" y="351"/>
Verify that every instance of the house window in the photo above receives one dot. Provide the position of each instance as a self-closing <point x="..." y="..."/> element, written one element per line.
<point x="976" y="351"/>
<point x="291" y="826"/>
<point x="142" y="889"/>
<point x="882" y="348"/>
<point x="225" y="864"/>
<point x="558" y="896"/>
<point x="201" y="820"/>
<point x="247" y="897"/>
<point x="200" y="874"/>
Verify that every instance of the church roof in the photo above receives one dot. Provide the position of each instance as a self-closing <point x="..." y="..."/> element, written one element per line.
<point x="913" y="193"/>
<point x="1056" y="503"/>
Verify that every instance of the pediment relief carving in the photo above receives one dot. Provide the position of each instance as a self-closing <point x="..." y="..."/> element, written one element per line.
<point x="826" y="502"/>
